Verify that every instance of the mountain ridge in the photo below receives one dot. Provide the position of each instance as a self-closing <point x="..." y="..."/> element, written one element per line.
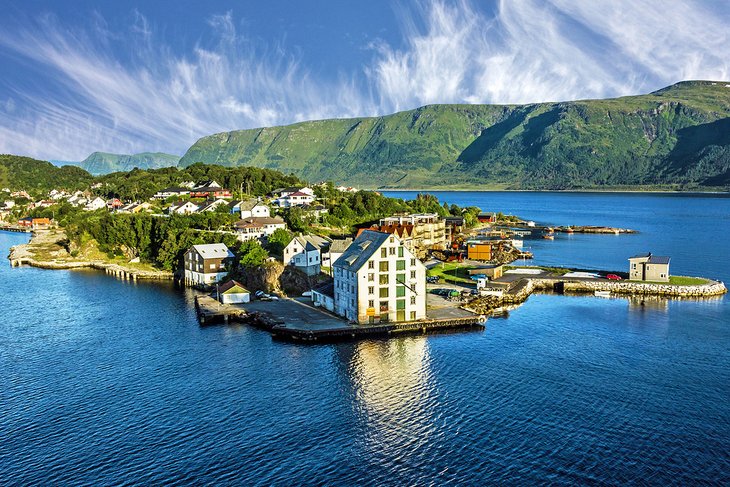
<point x="673" y="136"/>
<point x="98" y="163"/>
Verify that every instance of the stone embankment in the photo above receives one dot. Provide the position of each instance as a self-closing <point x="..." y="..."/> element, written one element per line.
<point x="522" y="289"/>
<point x="25" y="254"/>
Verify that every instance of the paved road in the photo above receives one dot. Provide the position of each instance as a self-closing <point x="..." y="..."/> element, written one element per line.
<point x="297" y="313"/>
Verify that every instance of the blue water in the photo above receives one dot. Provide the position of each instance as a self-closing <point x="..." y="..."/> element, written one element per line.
<point x="106" y="382"/>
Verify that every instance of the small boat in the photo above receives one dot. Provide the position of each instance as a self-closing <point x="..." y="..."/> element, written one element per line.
<point x="569" y="230"/>
<point x="548" y="237"/>
<point x="602" y="294"/>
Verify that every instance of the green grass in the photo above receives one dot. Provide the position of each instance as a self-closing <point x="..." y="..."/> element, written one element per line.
<point x="554" y="270"/>
<point x="680" y="281"/>
<point x="452" y="272"/>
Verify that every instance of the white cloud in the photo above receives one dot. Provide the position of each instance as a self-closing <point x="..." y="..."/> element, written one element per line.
<point x="451" y="52"/>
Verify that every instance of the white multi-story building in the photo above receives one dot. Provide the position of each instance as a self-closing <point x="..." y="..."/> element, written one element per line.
<point x="249" y="208"/>
<point x="258" y="227"/>
<point x="379" y="280"/>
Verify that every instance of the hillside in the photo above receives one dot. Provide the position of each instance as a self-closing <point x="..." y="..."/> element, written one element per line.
<point x="675" y="137"/>
<point x="105" y="163"/>
<point x="39" y="177"/>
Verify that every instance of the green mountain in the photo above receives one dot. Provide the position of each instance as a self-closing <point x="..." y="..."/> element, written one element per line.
<point x="105" y="163"/>
<point x="676" y="137"/>
<point x="39" y="177"/>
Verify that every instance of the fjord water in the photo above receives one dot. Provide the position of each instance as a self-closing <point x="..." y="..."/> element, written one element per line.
<point x="107" y="382"/>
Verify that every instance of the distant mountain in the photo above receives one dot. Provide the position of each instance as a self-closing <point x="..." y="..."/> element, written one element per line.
<point x="105" y="163"/>
<point x="675" y="137"/>
<point x="39" y="177"/>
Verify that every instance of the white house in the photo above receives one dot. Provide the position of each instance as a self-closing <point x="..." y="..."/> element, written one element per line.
<point x="212" y="205"/>
<point x="379" y="280"/>
<point x="95" y="204"/>
<point x="324" y="295"/>
<point x="163" y="194"/>
<point x="258" y="226"/>
<point x="304" y="253"/>
<point x="335" y="250"/>
<point x="206" y="264"/>
<point x="182" y="208"/>
<point x="232" y="292"/>
<point x="251" y="208"/>
<point x="299" y="198"/>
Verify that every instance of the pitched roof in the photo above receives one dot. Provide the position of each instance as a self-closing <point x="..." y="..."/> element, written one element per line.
<point x="327" y="288"/>
<point x="231" y="286"/>
<point x="339" y="246"/>
<point x="248" y="205"/>
<point x="362" y="248"/>
<point x="658" y="259"/>
<point x="213" y="251"/>
<point x="298" y="193"/>
<point x="260" y="220"/>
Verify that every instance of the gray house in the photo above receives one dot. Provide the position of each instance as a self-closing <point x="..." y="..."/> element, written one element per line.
<point x="648" y="267"/>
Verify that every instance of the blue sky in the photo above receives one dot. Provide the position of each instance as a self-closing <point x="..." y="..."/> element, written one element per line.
<point x="123" y="76"/>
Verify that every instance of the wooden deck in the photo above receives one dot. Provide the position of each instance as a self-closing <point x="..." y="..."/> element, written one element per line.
<point x="210" y="311"/>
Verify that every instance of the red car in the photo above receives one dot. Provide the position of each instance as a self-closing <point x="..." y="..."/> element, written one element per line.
<point x="613" y="277"/>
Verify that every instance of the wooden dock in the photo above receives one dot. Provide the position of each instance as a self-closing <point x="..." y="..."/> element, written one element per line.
<point x="360" y="332"/>
<point x="210" y="311"/>
<point x="16" y="228"/>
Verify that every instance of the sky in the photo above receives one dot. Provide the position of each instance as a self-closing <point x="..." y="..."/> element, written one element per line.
<point x="78" y="76"/>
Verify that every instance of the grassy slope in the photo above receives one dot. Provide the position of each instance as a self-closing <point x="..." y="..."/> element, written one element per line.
<point x="674" y="136"/>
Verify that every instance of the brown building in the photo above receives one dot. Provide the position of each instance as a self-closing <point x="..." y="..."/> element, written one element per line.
<point x="206" y="264"/>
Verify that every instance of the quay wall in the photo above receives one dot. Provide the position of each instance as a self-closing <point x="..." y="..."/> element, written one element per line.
<point x="711" y="288"/>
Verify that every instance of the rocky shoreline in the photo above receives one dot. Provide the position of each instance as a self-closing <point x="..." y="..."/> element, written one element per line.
<point x="25" y="254"/>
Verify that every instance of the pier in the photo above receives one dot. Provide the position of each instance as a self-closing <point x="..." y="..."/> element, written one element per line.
<point x="15" y="228"/>
<point x="210" y="311"/>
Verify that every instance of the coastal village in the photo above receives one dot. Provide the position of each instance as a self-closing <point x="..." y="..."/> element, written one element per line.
<point x="405" y="272"/>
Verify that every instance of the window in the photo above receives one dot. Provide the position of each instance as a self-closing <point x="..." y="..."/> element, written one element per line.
<point x="413" y="274"/>
<point x="371" y="264"/>
<point x="392" y="251"/>
<point x="400" y="291"/>
<point x="371" y="304"/>
<point x="413" y="315"/>
<point x="400" y="251"/>
<point x="383" y="278"/>
<point x="391" y="239"/>
<point x="400" y="278"/>
<point x="400" y="265"/>
<point x="413" y="300"/>
<point x="413" y="261"/>
<point x="383" y="292"/>
<point x="400" y="304"/>
<point x="384" y="266"/>
<point x="384" y="253"/>
<point x="212" y="266"/>
<point x="371" y="289"/>
<point x="371" y="277"/>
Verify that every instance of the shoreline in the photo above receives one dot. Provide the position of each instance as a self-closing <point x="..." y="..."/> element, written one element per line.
<point x="26" y="254"/>
<point x="477" y="189"/>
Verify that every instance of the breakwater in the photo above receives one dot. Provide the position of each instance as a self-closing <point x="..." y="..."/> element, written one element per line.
<point x="522" y="289"/>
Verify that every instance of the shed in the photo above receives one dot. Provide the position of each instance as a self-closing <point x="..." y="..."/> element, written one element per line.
<point x="232" y="292"/>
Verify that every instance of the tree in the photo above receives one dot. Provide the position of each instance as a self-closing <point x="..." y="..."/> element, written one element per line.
<point x="278" y="240"/>
<point x="252" y="254"/>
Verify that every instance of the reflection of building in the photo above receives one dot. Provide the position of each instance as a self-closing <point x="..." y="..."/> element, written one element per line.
<point x="378" y="279"/>
<point x="648" y="267"/>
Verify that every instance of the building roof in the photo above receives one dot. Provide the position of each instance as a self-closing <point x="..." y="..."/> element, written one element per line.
<point x="209" y="184"/>
<point x="362" y="248"/>
<point x="174" y="189"/>
<point x="260" y="220"/>
<point x="232" y="287"/>
<point x="248" y="205"/>
<point x="213" y="251"/>
<point x="339" y="246"/>
<point x="298" y="193"/>
<point x="653" y="259"/>
<point x="326" y="288"/>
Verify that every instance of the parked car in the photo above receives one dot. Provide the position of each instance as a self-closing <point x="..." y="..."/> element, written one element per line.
<point x="432" y="279"/>
<point x="613" y="277"/>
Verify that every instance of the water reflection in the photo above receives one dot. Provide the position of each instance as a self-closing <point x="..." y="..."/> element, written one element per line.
<point x="393" y="392"/>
